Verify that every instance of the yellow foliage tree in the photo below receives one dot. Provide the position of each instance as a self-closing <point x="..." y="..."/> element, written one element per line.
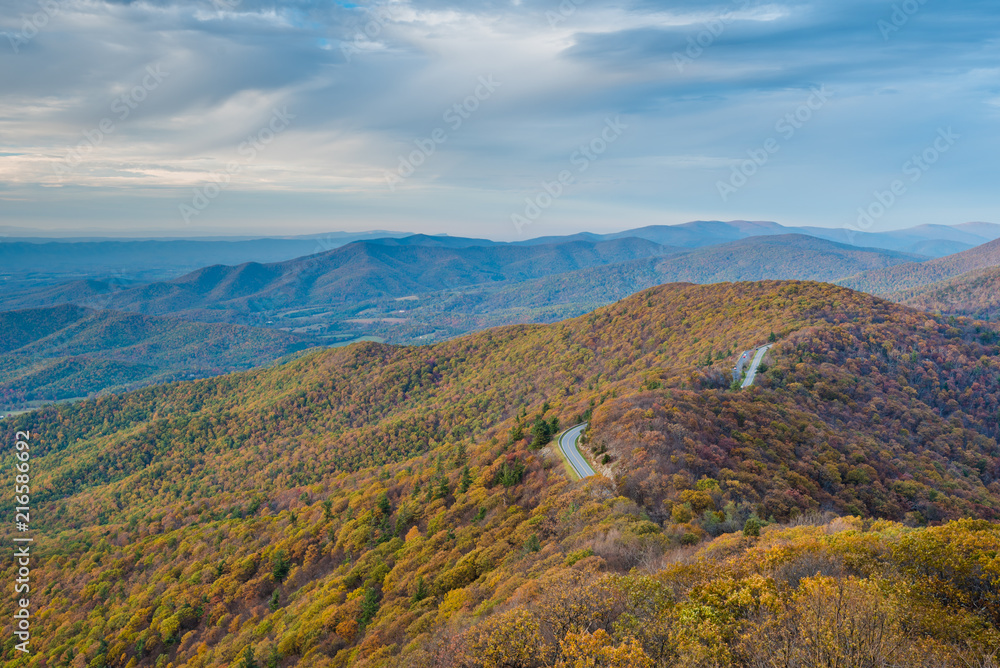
<point x="598" y="650"/>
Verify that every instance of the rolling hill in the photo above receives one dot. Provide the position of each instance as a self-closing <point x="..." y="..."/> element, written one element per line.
<point x="345" y="278"/>
<point x="67" y="351"/>
<point x="401" y="290"/>
<point x="918" y="275"/>
<point x="569" y="294"/>
<point x="422" y="288"/>
<point x="976" y="294"/>
<point x="32" y="263"/>
<point x="376" y="505"/>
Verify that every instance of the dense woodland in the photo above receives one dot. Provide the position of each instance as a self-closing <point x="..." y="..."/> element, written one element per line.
<point x="975" y="294"/>
<point x="916" y="275"/>
<point x="384" y="506"/>
<point x="570" y="293"/>
<point x="61" y="352"/>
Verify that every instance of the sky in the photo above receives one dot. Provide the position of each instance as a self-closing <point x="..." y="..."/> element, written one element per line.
<point x="500" y="119"/>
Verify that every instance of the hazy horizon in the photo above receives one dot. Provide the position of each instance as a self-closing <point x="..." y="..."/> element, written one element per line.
<point x="12" y="233"/>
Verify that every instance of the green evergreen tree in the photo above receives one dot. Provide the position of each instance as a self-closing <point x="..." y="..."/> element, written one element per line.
<point x="369" y="606"/>
<point x="541" y="432"/>
<point x="466" y="480"/>
<point x="280" y="566"/>
<point x="383" y="504"/>
<point x="421" y="592"/>
<point x="248" y="660"/>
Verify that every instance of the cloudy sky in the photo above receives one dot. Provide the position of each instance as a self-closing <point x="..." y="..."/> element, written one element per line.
<point x="502" y="119"/>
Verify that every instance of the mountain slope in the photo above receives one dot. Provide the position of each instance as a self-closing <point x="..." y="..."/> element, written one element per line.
<point x="367" y="270"/>
<point x="917" y="275"/>
<point x="569" y="294"/>
<point x="67" y="351"/>
<point x="423" y="288"/>
<point x="380" y="505"/>
<point x="772" y="257"/>
<point x="976" y="293"/>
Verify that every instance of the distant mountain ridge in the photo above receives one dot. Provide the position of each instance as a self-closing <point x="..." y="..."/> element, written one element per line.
<point x="157" y="259"/>
<point x="776" y="257"/>
<point x="360" y="271"/>
<point x="454" y="285"/>
<point x="422" y="288"/>
<point x="918" y="275"/>
<point x="931" y="240"/>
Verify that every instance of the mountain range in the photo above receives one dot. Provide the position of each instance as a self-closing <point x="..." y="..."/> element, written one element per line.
<point x="928" y="240"/>
<point x="27" y="260"/>
<point x="423" y="288"/>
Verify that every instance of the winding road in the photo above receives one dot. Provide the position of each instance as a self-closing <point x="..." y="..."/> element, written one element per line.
<point x="752" y="372"/>
<point x="567" y="444"/>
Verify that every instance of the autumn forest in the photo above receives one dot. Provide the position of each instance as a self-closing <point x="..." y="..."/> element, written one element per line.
<point x="376" y="505"/>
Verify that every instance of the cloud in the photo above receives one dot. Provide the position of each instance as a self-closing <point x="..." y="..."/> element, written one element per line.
<point x="367" y="81"/>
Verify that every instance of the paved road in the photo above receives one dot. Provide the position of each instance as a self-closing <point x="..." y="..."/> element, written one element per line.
<point x="752" y="372"/>
<point x="567" y="443"/>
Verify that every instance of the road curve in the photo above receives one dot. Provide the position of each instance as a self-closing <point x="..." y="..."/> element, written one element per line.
<point x="567" y="444"/>
<point x="752" y="372"/>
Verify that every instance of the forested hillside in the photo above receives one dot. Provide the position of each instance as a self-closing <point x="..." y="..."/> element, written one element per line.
<point x="758" y="258"/>
<point x="347" y="277"/>
<point x="918" y="275"/>
<point x="568" y="294"/>
<point x="422" y="289"/>
<point x="384" y="506"/>
<point x="975" y="294"/>
<point x="61" y="352"/>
